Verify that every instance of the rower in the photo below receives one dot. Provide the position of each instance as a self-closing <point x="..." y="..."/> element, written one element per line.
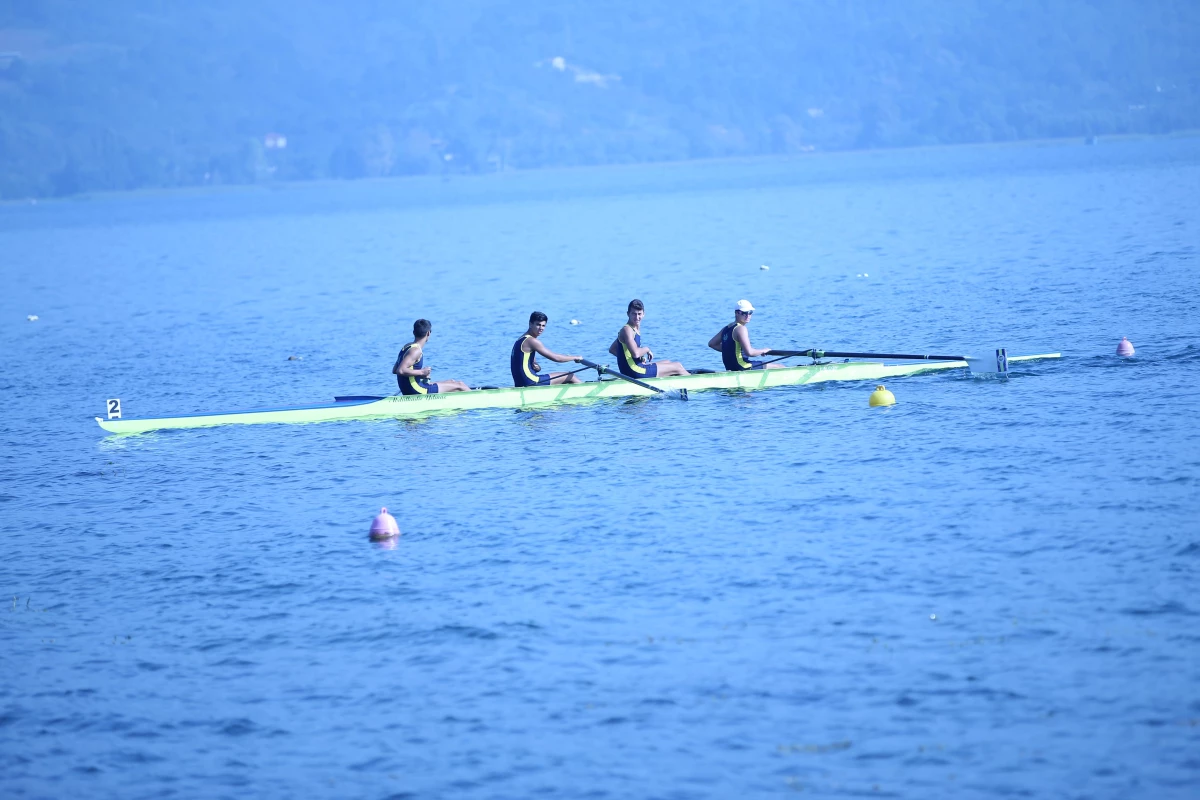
<point x="633" y="359"/>
<point x="411" y="373"/>
<point x="523" y="359"/>
<point x="734" y="342"/>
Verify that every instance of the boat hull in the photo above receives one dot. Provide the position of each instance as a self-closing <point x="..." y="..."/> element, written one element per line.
<point x="412" y="406"/>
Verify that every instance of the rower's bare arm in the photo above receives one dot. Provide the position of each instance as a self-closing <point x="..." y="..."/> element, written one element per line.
<point x="625" y="337"/>
<point x="542" y="350"/>
<point x="614" y="349"/>
<point x="398" y="367"/>
<point x="715" y="342"/>
<point x="742" y="337"/>
<point x="406" y="365"/>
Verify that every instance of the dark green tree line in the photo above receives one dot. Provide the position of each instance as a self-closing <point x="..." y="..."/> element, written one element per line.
<point x="143" y="93"/>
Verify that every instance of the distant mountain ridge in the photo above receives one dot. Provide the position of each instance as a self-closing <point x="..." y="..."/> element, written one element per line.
<point x="125" y="94"/>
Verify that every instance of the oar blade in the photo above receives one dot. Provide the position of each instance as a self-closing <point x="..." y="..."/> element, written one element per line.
<point x="989" y="366"/>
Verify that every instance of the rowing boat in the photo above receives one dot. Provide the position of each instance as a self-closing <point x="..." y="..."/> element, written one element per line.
<point x="412" y="406"/>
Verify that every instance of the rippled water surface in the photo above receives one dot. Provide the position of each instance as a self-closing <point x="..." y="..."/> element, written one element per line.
<point x="987" y="589"/>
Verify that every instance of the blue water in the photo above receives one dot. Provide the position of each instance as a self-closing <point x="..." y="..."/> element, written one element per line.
<point x="989" y="589"/>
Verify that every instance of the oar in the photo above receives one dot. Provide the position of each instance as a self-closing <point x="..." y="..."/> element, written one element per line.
<point x="601" y="370"/>
<point x="832" y="354"/>
<point x="977" y="366"/>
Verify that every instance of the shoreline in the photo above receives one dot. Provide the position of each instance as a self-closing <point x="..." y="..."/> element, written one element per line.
<point x="483" y="179"/>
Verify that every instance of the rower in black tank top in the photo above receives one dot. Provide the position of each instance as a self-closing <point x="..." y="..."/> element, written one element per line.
<point x="629" y="365"/>
<point x="731" y="351"/>
<point x="410" y="384"/>
<point x="521" y="365"/>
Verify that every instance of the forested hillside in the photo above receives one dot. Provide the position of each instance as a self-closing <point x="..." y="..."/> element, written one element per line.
<point x="122" y="94"/>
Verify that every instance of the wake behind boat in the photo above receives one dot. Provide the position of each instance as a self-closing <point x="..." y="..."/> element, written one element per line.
<point x="413" y="406"/>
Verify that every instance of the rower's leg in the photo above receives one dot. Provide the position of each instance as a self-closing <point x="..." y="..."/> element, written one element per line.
<point x="666" y="368"/>
<point x="774" y="365"/>
<point x="451" y="385"/>
<point x="564" y="377"/>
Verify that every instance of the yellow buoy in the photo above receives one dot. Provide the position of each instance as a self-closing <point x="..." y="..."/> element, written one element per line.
<point x="882" y="397"/>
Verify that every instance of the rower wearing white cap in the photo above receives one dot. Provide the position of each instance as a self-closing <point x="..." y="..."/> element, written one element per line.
<point x="733" y="342"/>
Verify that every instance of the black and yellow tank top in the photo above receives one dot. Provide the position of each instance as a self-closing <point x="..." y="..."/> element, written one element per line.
<point x="521" y="364"/>
<point x="410" y="384"/>
<point x="627" y="363"/>
<point x="731" y="350"/>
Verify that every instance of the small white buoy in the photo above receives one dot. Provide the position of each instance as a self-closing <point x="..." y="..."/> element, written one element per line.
<point x="933" y="617"/>
<point x="574" y="322"/>
<point x="859" y="275"/>
<point x="764" y="266"/>
<point x="384" y="526"/>
<point x="32" y="318"/>
<point x="865" y="275"/>
<point x="295" y="358"/>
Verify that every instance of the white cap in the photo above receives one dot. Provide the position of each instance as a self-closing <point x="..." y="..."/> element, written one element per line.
<point x="743" y="306"/>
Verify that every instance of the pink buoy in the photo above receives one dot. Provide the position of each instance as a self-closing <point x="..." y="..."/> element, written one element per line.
<point x="384" y="526"/>
<point x="1125" y="348"/>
